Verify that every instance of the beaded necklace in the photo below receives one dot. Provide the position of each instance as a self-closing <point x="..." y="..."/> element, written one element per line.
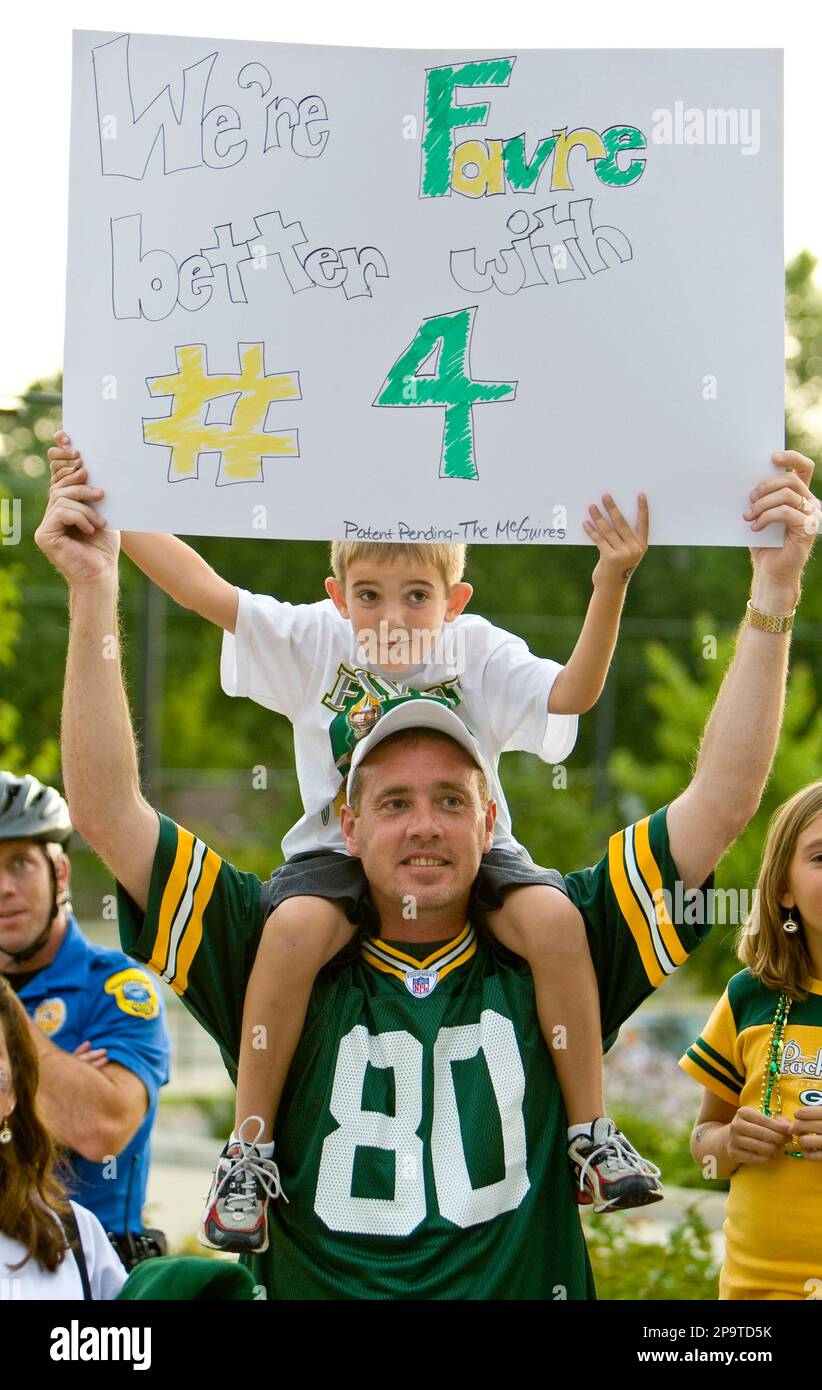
<point x="771" y="1092"/>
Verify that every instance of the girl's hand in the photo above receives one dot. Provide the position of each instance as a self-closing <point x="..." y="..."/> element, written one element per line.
<point x="620" y="547"/>
<point x="756" y="1138"/>
<point x="807" y="1128"/>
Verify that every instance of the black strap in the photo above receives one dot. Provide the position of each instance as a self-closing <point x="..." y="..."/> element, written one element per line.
<point x="76" y="1246"/>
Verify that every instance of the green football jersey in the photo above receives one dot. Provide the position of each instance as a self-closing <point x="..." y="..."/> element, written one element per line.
<point x="421" y="1136"/>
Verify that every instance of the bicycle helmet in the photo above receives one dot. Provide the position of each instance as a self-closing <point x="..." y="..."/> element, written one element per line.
<point x="31" y="811"/>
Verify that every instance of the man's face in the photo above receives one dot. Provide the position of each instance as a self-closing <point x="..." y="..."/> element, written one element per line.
<point x="25" y="893"/>
<point x="422" y="828"/>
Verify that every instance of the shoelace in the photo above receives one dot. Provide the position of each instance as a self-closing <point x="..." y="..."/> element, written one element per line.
<point x="248" y="1168"/>
<point x="624" y="1154"/>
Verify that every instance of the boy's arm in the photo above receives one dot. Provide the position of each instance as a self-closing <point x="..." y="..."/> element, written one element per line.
<point x="579" y="685"/>
<point x="184" y="575"/>
<point x="173" y="566"/>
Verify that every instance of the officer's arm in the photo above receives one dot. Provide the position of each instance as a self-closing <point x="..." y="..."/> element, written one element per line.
<point x="95" y="1111"/>
<point x="99" y="756"/>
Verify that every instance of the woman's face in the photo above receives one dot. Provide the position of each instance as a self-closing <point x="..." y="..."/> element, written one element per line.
<point x="6" y="1088"/>
<point x="804" y="889"/>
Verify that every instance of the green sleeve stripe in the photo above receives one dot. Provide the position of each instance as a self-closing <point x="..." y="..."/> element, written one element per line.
<point x="723" y="1061"/>
<point x="711" y="1071"/>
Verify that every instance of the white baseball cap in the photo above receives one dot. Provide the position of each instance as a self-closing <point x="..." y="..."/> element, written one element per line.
<point x="416" y="712"/>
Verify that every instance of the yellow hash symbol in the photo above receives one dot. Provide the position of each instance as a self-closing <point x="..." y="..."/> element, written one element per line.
<point x="242" y="439"/>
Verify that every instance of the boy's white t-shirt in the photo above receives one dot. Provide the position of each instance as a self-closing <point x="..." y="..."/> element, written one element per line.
<point x="303" y="661"/>
<point x="106" y="1272"/>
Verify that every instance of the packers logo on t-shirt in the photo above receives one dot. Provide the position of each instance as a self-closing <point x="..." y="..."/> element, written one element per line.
<point x="134" y="993"/>
<point x="360" y="698"/>
<point x="50" y="1015"/>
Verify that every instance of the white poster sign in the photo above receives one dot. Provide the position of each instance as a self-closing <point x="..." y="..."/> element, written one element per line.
<point x="325" y="292"/>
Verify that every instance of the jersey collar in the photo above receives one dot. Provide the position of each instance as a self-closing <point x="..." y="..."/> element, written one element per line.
<point x="392" y="960"/>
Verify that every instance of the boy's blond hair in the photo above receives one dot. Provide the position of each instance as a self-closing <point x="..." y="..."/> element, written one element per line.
<point x="447" y="560"/>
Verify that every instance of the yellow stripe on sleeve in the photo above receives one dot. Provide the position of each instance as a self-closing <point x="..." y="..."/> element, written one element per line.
<point x="193" y="934"/>
<point x="173" y="892"/>
<point x="649" y="869"/>
<point x="711" y="1083"/>
<point x="631" y="910"/>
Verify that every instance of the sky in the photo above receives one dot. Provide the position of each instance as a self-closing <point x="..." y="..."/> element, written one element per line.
<point x="35" y="81"/>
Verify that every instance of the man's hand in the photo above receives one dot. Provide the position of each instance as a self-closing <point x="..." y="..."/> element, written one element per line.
<point x="72" y="535"/>
<point x="784" y="497"/>
<point x="620" y="547"/>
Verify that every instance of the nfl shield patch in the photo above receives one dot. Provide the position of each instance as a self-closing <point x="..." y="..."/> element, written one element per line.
<point x="421" y="982"/>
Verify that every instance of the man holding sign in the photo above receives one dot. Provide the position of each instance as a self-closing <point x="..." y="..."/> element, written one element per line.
<point x="421" y="1140"/>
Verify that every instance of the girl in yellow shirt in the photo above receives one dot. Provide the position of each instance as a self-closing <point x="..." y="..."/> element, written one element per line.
<point x="759" y="1058"/>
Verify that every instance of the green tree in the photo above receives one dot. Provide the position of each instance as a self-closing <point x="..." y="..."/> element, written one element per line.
<point x="681" y="699"/>
<point x="16" y="752"/>
<point x="803" y="313"/>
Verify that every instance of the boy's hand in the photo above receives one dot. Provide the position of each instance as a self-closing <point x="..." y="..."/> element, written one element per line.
<point x="620" y="547"/>
<point x="63" y="458"/>
<point x="756" y="1138"/>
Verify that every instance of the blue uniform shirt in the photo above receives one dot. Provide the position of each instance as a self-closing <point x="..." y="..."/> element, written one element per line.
<point x="96" y="993"/>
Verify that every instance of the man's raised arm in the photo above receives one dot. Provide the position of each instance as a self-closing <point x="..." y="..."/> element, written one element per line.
<point x="99" y="756"/>
<point x="743" y="728"/>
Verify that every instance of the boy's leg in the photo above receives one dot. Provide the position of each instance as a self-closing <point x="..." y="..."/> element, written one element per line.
<point x="298" y="938"/>
<point x="542" y="925"/>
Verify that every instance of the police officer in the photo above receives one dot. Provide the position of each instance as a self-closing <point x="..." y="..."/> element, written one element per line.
<point x="97" y="1021"/>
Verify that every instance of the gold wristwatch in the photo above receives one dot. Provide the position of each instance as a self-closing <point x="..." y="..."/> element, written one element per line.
<point x="769" y="622"/>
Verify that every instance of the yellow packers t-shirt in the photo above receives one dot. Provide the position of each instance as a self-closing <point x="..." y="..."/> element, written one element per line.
<point x="773" y="1216"/>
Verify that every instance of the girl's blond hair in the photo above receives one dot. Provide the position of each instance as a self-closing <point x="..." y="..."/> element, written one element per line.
<point x="447" y="560"/>
<point x="780" y="961"/>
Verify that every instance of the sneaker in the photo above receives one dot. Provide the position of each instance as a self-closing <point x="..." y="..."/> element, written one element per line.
<point x="609" y="1172"/>
<point x="236" y="1211"/>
